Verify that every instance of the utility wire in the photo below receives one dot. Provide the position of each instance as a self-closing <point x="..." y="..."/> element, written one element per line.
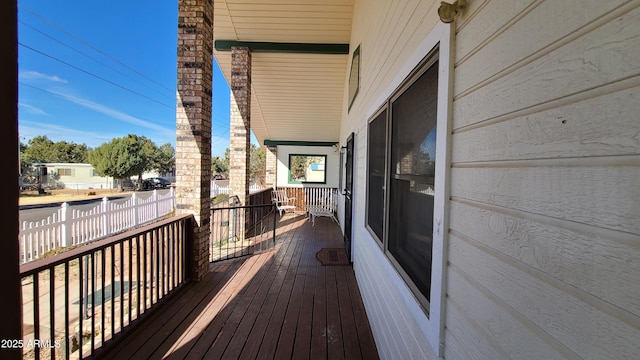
<point x="92" y="58"/>
<point x="94" y="75"/>
<point x="73" y="99"/>
<point x="52" y="24"/>
<point x="226" y="132"/>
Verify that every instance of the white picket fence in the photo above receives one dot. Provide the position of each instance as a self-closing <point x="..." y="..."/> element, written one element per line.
<point x="69" y="226"/>
<point x="217" y="190"/>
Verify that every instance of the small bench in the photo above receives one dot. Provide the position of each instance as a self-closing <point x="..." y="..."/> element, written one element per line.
<point x="322" y="203"/>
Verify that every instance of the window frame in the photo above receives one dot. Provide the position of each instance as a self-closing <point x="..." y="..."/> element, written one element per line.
<point x="294" y="182"/>
<point x="70" y="172"/>
<point x="441" y="39"/>
<point x="382" y="109"/>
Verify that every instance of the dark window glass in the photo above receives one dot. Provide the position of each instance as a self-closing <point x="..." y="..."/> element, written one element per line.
<point x="413" y="150"/>
<point x="377" y="153"/>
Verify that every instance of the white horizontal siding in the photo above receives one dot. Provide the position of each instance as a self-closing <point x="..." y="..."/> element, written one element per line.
<point x="391" y="36"/>
<point x="599" y="56"/>
<point x="544" y="246"/>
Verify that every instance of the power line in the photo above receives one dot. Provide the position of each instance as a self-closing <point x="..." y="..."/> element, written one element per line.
<point x="73" y="99"/>
<point x="94" y="75"/>
<point x="91" y="58"/>
<point x="227" y="131"/>
<point x="54" y="25"/>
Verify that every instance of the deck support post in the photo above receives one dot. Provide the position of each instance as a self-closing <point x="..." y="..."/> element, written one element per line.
<point x="193" y="124"/>
<point x="240" y="123"/>
<point x="271" y="163"/>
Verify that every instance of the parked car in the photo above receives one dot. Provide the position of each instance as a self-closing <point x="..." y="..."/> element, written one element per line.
<point x="218" y="177"/>
<point x="155" y="183"/>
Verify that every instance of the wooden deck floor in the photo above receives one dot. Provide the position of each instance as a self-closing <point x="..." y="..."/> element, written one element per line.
<point x="280" y="304"/>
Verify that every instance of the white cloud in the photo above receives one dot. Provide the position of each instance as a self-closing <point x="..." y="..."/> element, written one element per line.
<point x="116" y="114"/>
<point x="32" y="109"/>
<point x="30" y="129"/>
<point x="40" y="76"/>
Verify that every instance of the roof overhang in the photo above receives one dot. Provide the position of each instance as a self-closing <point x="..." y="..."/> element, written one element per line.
<point x="300" y="54"/>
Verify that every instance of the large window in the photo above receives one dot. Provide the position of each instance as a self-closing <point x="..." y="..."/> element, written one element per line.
<point x="401" y="176"/>
<point x="305" y="168"/>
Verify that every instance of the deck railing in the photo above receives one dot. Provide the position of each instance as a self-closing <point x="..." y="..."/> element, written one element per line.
<point x="242" y="230"/>
<point x="77" y="302"/>
<point x="306" y="197"/>
<point x="68" y="226"/>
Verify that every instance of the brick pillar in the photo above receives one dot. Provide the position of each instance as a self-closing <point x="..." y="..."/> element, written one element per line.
<point x="240" y="122"/>
<point x="193" y="123"/>
<point x="271" y="162"/>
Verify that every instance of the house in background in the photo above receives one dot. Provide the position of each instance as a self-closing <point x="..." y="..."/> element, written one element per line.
<point x="77" y="176"/>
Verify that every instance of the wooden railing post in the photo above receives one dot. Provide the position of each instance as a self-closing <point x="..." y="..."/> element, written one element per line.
<point x="188" y="236"/>
<point x="65" y="230"/>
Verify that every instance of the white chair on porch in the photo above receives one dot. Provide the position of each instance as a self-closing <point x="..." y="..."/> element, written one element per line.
<point x="282" y="201"/>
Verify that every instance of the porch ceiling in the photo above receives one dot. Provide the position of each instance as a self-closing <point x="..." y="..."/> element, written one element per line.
<point x="295" y="96"/>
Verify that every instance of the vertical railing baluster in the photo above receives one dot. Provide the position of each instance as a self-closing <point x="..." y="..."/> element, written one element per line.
<point x="67" y="304"/>
<point x="145" y="271"/>
<point x="113" y="289"/>
<point x="157" y="280"/>
<point x="102" y="288"/>
<point x="121" y="288"/>
<point x="138" y="276"/>
<point x="176" y="251"/>
<point x="164" y="259"/>
<point x="36" y="312"/>
<point x="275" y="220"/>
<point x="151" y="280"/>
<point x="93" y="301"/>
<point x="159" y="262"/>
<point x="170" y="259"/>
<point x="81" y="303"/>
<point x="130" y="287"/>
<point x="180" y="246"/>
<point x="52" y="310"/>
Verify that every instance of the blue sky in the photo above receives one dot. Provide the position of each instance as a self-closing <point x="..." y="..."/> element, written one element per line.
<point x="90" y="71"/>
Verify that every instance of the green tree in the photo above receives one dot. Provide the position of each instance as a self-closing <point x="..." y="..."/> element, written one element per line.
<point x="38" y="149"/>
<point x="220" y="165"/>
<point x="299" y="165"/>
<point x="257" y="161"/>
<point x="164" y="160"/>
<point x="257" y="165"/>
<point x="148" y="151"/>
<point x="120" y="158"/>
<point x="41" y="149"/>
<point x="66" y="152"/>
